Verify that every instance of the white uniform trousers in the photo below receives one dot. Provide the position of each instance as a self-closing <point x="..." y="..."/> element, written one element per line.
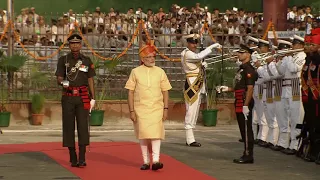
<point x="291" y="115"/>
<point x="273" y="132"/>
<point x="279" y="108"/>
<point x="262" y="121"/>
<point x="254" y="123"/>
<point x="192" y="113"/>
<point x="259" y="120"/>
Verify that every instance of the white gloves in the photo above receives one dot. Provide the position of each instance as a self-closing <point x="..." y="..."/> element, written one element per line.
<point x="205" y="64"/>
<point x="255" y="56"/>
<point x="92" y="103"/>
<point x="245" y="111"/>
<point x="238" y="62"/>
<point x="220" y="89"/>
<point x="215" y="45"/>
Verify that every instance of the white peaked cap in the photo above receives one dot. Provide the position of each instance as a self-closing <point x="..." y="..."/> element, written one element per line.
<point x="298" y="38"/>
<point x="280" y="41"/>
<point x="194" y="36"/>
<point x="263" y="41"/>
<point x="253" y="39"/>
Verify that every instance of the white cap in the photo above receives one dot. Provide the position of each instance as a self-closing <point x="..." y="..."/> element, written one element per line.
<point x="298" y="38"/>
<point x="250" y="38"/>
<point x="280" y="41"/>
<point x="263" y="41"/>
<point x="194" y="36"/>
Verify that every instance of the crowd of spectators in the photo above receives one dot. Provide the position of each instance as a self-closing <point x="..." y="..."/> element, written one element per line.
<point x="114" y="29"/>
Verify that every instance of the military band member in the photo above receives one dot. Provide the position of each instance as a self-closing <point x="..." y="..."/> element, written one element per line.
<point x="148" y="99"/>
<point x="291" y="97"/>
<point x="244" y="83"/>
<point x="257" y="112"/>
<point x="310" y="95"/>
<point x="75" y="74"/>
<point x="192" y="63"/>
<point x="279" y="68"/>
<point x="266" y="126"/>
<point x="303" y="144"/>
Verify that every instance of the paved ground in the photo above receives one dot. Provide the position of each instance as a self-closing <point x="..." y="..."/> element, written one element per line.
<point x="220" y="146"/>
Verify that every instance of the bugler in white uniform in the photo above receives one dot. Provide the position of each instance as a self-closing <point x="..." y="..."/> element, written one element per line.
<point x="291" y="98"/>
<point x="192" y="65"/>
<point x="262" y="72"/>
<point x="279" y="109"/>
<point x="257" y="113"/>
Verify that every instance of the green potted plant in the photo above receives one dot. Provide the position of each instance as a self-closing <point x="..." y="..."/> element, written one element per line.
<point x="214" y="78"/>
<point x="37" y="104"/>
<point x="210" y="113"/>
<point x="97" y="113"/>
<point x="8" y="66"/>
<point x="38" y="83"/>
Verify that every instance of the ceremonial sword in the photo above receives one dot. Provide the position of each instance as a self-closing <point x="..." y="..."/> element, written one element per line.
<point x="89" y="126"/>
<point x="204" y="72"/>
<point x="246" y="133"/>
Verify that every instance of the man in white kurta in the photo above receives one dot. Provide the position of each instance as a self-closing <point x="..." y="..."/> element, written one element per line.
<point x="148" y="98"/>
<point x="193" y="65"/>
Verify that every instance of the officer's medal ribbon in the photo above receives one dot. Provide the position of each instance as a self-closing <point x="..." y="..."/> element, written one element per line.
<point x="83" y="68"/>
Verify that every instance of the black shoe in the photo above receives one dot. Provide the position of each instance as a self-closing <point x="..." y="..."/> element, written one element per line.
<point x="263" y="144"/>
<point x="256" y="141"/>
<point x="73" y="157"/>
<point x="82" y="156"/>
<point x="194" y="144"/>
<point x="289" y="151"/>
<point x="268" y="145"/>
<point x="309" y="158"/>
<point x="277" y="148"/>
<point x="82" y="164"/>
<point x="241" y="140"/>
<point x="244" y="160"/>
<point x="145" y="167"/>
<point x="156" y="166"/>
<point x="317" y="160"/>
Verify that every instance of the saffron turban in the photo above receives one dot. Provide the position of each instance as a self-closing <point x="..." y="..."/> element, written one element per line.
<point x="147" y="49"/>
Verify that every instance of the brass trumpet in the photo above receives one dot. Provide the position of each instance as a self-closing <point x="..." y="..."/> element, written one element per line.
<point x="282" y="52"/>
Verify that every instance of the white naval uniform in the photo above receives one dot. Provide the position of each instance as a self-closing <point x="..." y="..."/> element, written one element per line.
<point x="269" y="109"/>
<point x="191" y="66"/>
<point x="263" y="124"/>
<point x="293" y="111"/>
<point x="272" y="108"/>
<point x="280" y="109"/>
<point x="258" y="114"/>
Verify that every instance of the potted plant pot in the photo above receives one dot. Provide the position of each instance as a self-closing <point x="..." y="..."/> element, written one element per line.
<point x="97" y="117"/>
<point x="209" y="117"/>
<point x="5" y="119"/>
<point x="37" y="119"/>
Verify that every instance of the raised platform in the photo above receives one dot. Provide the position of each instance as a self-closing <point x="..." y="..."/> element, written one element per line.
<point x="115" y="112"/>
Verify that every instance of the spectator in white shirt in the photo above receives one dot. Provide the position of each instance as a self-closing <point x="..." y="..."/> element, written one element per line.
<point x="293" y="13"/>
<point x="308" y="11"/>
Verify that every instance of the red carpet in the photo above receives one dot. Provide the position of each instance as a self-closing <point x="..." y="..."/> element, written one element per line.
<point x="112" y="160"/>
